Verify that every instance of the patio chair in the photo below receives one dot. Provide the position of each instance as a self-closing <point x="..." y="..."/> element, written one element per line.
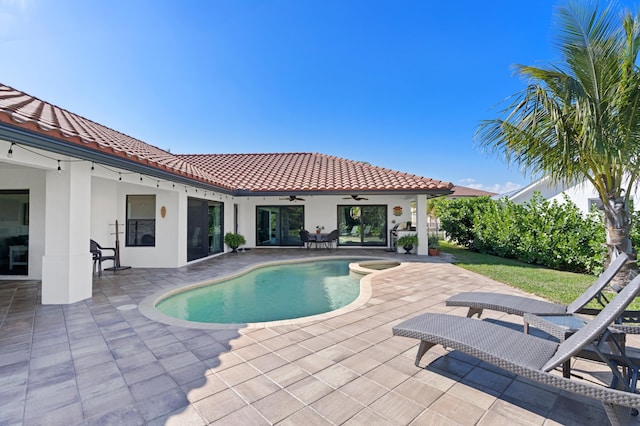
<point x="98" y="256"/>
<point x="330" y="238"/>
<point x="305" y="238"/>
<point x="533" y="357"/>
<point x="518" y="305"/>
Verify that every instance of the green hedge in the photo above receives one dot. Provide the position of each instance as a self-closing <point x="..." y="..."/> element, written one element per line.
<point x="540" y="232"/>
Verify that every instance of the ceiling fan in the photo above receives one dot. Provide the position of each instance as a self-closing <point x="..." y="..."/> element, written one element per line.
<point x="355" y="197"/>
<point x="292" y="198"/>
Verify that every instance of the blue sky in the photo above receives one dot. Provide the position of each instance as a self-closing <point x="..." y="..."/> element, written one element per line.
<point x="398" y="84"/>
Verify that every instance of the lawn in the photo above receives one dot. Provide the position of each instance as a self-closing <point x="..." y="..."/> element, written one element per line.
<point x="557" y="286"/>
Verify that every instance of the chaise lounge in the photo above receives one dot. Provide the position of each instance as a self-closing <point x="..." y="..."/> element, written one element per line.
<point x="518" y="305"/>
<point x="534" y="357"/>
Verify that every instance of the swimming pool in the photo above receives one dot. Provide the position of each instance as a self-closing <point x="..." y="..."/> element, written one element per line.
<point x="269" y="293"/>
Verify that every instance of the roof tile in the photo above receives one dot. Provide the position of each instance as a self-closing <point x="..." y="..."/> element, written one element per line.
<point x="307" y="172"/>
<point x="283" y="172"/>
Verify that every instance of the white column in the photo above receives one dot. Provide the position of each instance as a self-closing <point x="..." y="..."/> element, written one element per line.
<point x="66" y="265"/>
<point x="421" y="224"/>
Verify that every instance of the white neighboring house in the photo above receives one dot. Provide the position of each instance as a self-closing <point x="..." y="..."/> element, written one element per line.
<point x="65" y="179"/>
<point x="583" y="195"/>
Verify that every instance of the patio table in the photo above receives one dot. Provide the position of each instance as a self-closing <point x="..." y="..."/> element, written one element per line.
<point x="320" y="240"/>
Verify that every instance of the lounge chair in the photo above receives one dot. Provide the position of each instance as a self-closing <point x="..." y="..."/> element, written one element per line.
<point x="518" y="305"/>
<point x="530" y="356"/>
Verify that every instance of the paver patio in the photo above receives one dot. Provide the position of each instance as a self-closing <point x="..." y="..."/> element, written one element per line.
<point x="95" y="364"/>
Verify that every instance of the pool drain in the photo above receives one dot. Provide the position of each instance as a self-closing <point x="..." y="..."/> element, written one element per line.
<point x="126" y="307"/>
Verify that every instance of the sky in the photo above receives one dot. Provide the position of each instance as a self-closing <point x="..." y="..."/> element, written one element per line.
<point x="397" y="84"/>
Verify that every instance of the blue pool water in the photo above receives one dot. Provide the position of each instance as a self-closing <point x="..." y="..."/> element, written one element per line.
<point x="270" y="293"/>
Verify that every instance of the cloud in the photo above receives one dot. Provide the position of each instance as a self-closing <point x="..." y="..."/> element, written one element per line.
<point x="498" y="188"/>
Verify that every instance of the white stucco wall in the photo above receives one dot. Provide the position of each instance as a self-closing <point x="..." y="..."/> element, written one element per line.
<point x="319" y="210"/>
<point x="108" y="196"/>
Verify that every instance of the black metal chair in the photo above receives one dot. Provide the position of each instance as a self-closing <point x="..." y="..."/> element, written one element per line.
<point x="98" y="257"/>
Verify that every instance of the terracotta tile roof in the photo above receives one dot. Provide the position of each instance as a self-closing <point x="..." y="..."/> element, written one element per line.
<point x="288" y="172"/>
<point x="308" y="172"/>
<point x="464" y="191"/>
<point x="21" y="110"/>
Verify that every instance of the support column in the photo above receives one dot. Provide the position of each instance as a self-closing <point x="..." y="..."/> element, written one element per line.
<point x="421" y="224"/>
<point x="66" y="265"/>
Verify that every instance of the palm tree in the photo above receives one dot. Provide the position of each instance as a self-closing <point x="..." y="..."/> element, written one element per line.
<point x="579" y="120"/>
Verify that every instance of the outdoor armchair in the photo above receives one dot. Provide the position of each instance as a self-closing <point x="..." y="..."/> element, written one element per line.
<point x="98" y="256"/>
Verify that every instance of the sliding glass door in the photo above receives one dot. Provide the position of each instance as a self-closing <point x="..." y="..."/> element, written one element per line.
<point x="14" y="232"/>
<point x="279" y="225"/>
<point x="204" y="228"/>
<point x="362" y="225"/>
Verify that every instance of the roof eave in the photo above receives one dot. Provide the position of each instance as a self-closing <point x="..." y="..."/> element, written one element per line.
<point x="38" y="140"/>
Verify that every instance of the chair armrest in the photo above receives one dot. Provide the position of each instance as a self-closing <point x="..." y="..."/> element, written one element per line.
<point x="108" y="248"/>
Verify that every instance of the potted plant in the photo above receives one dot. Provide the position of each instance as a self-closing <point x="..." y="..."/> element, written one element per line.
<point x="434" y="245"/>
<point x="408" y="242"/>
<point x="234" y="241"/>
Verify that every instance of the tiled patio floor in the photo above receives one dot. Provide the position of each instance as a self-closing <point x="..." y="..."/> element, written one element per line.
<point x="91" y="363"/>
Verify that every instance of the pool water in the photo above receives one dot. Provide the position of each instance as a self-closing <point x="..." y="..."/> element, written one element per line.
<point x="269" y="293"/>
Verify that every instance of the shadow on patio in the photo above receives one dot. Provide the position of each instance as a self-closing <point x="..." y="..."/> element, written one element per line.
<point x="100" y="361"/>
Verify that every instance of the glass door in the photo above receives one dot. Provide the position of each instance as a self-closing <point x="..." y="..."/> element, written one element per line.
<point x="216" y="237"/>
<point x="362" y="225"/>
<point x="204" y="228"/>
<point x="14" y="232"/>
<point x="279" y="225"/>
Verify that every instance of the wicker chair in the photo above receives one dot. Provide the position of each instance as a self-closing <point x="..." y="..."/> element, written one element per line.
<point x="305" y="238"/>
<point x="534" y="357"/>
<point x="332" y="237"/>
<point x="517" y="305"/>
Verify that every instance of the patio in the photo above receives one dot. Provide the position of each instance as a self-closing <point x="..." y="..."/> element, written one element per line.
<point x="99" y="362"/>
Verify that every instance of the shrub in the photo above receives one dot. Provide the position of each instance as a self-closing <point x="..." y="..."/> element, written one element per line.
<point x="552" y="234"/>
<point x="234" y="240"/>
<point x="457" y="217"/>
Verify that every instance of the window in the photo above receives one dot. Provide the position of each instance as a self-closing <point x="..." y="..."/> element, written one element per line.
<point x="595" y="204"/>
<point x="141" y="220"/>
<point x="279" y="225"/>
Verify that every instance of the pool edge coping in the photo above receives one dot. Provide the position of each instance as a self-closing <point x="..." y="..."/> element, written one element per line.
<point x="147" y="306"/>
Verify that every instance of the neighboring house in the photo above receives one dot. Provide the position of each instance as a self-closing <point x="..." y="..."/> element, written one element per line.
<point x="466" y="192"/>
<point x="66" y="179"/>
<point x="583" y="195"/>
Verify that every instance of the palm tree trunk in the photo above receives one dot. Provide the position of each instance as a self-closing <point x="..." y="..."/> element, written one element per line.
<point x="616" y="222"/>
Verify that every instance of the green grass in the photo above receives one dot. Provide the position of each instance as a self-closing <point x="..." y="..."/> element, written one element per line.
<point x="556" y="286"/>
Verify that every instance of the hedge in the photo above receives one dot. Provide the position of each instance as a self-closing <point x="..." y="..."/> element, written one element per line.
<point x="553" y="234"/>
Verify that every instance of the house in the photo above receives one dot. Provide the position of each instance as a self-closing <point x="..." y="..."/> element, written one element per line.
<point x="583" y="195"/>
<point x="466" y="192"/>
<point x="65" y="180"/>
